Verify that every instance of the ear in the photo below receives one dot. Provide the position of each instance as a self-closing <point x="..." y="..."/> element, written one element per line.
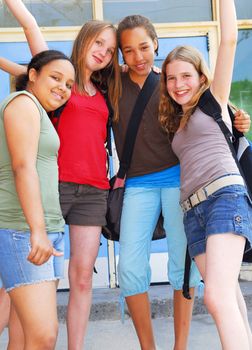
<point x="32" y="75"/>
<point x="202" y="79"/>
<point x="155" y="44"/>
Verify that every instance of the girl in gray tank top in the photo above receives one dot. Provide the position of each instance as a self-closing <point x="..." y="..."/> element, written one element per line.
<point x="217" y="210"/>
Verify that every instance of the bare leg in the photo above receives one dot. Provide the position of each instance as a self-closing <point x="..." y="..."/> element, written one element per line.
<point x="243" y="309"/>
<point x="16" y="333"/>
<point x="4" y="309"/>
<point x="139" y="308"/>
<point x="182" y="318"/>
<point x="220" y="268"/>
<point x="84" y="243"/>
<point x="37" y="310"/>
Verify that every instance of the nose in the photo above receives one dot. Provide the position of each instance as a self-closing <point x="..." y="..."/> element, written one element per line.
<point x="62" y="86"/>
<point x="103" y="51"/>
<point x="138" y="55"/>
<point x="178" y="82"/>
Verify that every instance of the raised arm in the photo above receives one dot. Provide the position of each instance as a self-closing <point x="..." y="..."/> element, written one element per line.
<point x="28" y="22"/>
<point x="221" y="84"/>
<point x="11" y="67"/>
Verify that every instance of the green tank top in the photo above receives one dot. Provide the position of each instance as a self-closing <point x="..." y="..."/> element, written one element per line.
<point x="11" y="214"/>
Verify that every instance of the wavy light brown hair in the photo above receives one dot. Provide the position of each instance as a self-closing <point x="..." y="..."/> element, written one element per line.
<point x="107" y="78"/>
<point x="170" y="112"/>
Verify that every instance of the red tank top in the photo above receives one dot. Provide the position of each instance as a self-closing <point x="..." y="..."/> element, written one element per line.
<point x="82" y="130"/>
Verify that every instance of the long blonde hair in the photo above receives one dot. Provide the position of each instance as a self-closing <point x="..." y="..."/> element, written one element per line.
<point x="170" y="112"/>
<point x="107" y="78"/>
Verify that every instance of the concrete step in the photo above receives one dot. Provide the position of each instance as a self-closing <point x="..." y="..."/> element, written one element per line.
<point x="106" y="304"/>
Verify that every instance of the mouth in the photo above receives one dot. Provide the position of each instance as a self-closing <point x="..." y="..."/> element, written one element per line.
<point x="140" y="66"/>
<point x="181" y="93"/>
<point x="97" y="59"/>
<point x="57" y="96"/>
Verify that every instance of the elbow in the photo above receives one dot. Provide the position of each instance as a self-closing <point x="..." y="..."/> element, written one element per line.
<point x="21" y="169"/>
<point x="231" y="39"/>
<point x="30" y="25"/>
<point x="229" y="43"/>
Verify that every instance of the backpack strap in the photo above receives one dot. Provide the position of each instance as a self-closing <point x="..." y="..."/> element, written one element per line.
<point x="186" y="284"/>
<point x="134" y="123"/>
<point x="208" y="104"/>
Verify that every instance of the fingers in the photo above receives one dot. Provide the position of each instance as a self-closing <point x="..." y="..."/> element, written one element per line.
<point x="124" y="68"/>
<point x="241" y="114"/>
<point x="242" y="121"/>
<point x="156" y="69"/>
<point x="57" y="253"/>
<point x="39" y="254"/>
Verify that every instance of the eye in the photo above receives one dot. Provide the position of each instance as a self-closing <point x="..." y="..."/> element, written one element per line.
<point x="55" y="77"/>
<point x="187" y="75"/>
<point x="98" y="42"/>
<point x="144" y="48"/>
<point x="110" y="52"/>
<point x="127" y="51"/>
<point x="69" y="86"/>
<point x="170" y="78"/>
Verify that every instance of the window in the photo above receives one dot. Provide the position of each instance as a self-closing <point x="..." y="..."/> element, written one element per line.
<point x="159" y="11"/>
<point x="241" y="92"/>
<point x="243" y="9"/>
<point x="52" y="13"/>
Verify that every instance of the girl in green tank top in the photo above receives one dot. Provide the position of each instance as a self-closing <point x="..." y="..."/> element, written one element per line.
<point x="31" y="222"/>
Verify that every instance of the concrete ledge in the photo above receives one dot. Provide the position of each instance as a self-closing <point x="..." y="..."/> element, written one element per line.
<point x="106" y="302"/>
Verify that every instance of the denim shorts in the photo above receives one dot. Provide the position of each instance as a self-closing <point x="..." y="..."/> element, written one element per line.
<point x="83" y="204"/>
<point x="227" y="210"/>
<point x="16" y="270"/>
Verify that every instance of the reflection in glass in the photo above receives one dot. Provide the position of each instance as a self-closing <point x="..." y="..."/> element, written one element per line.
<point x="51" y="13"/>
<point x="241" y="92"/>
<point x="243" y="9"/>
<point x="159" y="11"/>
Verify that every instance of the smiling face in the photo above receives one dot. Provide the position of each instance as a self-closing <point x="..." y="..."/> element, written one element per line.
<point x="182" y="81"/>
<point x="101" y="50"/>
<point x="138" y="51"/>
<point x="52" y="84"/>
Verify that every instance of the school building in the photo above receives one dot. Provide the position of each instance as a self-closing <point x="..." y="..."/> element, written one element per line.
<point x="193" y="22"/>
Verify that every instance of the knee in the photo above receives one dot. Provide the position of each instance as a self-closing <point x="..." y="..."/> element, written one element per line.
<point x="45" y="338"/>
<point x="215" y="301"/>
<point x="80" y="278"/>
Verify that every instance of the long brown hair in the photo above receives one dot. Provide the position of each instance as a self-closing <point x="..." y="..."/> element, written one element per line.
<point x="170" y="112"/>
<point x="106" y="78"/>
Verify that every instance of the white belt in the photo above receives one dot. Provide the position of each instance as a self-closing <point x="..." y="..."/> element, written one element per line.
<point x="202" y="193"/>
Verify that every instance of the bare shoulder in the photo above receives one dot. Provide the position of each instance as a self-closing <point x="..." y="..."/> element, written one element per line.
<point x="22" y="106"/>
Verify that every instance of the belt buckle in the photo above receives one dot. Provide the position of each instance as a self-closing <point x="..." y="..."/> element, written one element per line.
<point x="186" y="205"/>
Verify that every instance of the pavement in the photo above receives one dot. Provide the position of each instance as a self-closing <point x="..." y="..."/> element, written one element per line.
<point x="106" y="331"/>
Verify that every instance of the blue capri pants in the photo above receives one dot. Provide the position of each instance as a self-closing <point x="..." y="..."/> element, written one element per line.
<point x="141" y="210"/>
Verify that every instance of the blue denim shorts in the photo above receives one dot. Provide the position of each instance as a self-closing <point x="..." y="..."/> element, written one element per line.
<point x="226" y="210"/>
<point x="16" y="270"/>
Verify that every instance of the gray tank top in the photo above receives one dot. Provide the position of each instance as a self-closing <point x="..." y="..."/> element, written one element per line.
<point x="203" y="153"/>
